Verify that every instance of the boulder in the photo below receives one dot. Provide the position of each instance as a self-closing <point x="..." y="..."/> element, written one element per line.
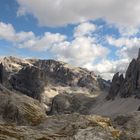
<point x="129" y="124"/>
<point x="70" y="103"/>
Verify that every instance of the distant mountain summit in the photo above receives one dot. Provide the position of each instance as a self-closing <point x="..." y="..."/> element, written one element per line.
<point x="17" y="73"/>
<point x="44" y="79"/>
<point x="128" y="86"/>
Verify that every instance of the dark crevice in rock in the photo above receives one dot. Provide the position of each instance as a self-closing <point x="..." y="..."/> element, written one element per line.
<point x="1" y="73"/>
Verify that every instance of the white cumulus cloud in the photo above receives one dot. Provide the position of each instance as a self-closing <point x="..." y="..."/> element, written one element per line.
<point x="63" y="12"/>
<point x="7" y="31"/>
<point x="85" y="28"/>
<point x="107" y="68"/>
<point x="128" y="47"/>
<point x="82" y="51"/>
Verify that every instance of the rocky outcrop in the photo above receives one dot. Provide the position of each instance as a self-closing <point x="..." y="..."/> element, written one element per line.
<point x="30" y="81"/>
<point x="76" y="127"/>
<point x="130" y="86"/>
<point x="116" y="84"/>
<point x="71" y="103"/>
<point x="129" y="124"/>
<point x="63" y="127"/>
<point x="13" y="64"/>
<point x="67" y="75"/>
<point x="61" y="72"/>
<point x="9" y="66"/>
<point x="20" y="109"/>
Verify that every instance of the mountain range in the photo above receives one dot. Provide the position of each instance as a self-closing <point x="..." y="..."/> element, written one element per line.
<point x="53" y="100"/>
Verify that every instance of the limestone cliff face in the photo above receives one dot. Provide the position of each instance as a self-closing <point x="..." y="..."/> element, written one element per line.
<point x="44" y="79"/>
<point x="29" y="80"/>
<point x="67" y="75"/>
<point x="31" y="76"/>
<point x="128" y="86"/>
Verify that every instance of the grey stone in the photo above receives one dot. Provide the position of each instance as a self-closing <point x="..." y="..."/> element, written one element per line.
<point x="29" y="80"/>
<point x="117" y="83"/>
<point x="128" y="86"/>
<point x="70" y="103"/>
<point x="20" y="109"/>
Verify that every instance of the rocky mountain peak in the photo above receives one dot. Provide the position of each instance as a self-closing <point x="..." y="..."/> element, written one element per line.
<point x="13" y="64"/>
<point x="31" y="76"/>
<point x="128" y="86"/>
<point x="117" y="82"/>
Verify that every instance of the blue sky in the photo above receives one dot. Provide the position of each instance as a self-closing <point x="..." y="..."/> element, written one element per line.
<point x="100" y="36"/>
